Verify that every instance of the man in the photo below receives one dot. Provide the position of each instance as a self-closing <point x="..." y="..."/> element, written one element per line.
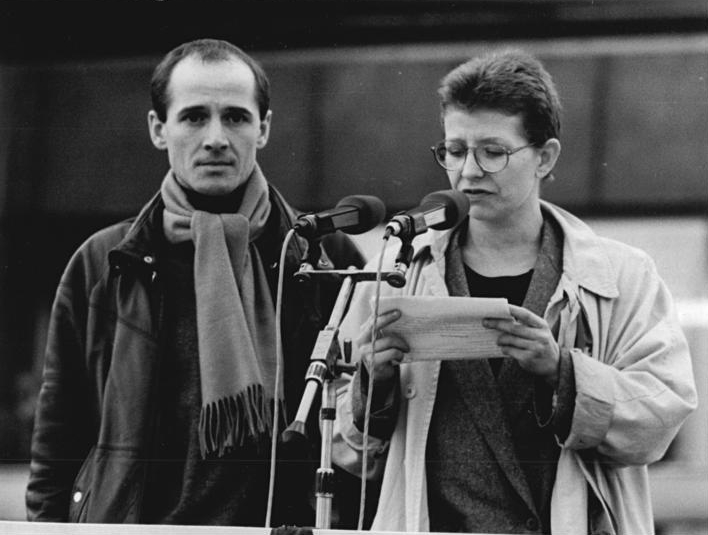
<point x="556" y="437"/>
<point x="159" y="385"/>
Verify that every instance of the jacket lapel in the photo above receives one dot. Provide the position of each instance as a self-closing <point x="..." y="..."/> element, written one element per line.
<point x="515" y="384"/>
<point x="481" y="393"/>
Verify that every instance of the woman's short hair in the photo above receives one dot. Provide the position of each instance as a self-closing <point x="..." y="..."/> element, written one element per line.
<point x="510" y="81"/>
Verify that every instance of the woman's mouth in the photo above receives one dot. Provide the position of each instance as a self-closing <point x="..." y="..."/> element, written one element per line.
<point x="476" y="192"/>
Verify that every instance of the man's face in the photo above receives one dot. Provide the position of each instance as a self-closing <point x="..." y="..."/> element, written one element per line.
<point x="212" y="130"/>
<point x="513" y="192"/>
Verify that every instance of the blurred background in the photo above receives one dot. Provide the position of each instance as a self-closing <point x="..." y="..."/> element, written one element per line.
<point x="355" y="112"/>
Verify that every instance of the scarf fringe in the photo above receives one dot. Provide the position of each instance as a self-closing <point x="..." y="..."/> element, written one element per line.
<point x="228" y="422"/>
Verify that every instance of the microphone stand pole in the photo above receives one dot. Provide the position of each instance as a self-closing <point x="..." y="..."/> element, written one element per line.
<point x="324" y="481"/>
<point x="322" y="371"/>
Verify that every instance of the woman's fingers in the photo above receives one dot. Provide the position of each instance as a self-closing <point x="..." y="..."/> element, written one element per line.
<point x="386" y="350"/>
<point x="382" y="363"/>
<point x="528" y="339"/>
<point x="383" y="320"/>
<point x="383" y="345"/>
<point x="526" y="317"/>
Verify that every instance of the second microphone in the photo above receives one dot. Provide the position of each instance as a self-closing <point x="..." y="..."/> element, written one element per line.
<point x="354" y="214"/>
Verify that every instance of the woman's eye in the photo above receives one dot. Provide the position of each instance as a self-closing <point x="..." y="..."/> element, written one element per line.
<point x="494" y="151"/>
<point x="456" y="152"/>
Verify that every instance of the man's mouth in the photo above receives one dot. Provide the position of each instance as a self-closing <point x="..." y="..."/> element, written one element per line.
<point x="217" y="163"/>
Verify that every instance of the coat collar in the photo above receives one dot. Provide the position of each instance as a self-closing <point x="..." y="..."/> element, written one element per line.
<point x="585" y="260"/>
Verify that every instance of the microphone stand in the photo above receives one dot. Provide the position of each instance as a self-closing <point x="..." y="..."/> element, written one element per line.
<point x="325" y="365"/>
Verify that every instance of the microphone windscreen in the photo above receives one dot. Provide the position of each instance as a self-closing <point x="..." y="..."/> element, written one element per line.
<point x="371" y="212"/>
<point x="456" y="203"/>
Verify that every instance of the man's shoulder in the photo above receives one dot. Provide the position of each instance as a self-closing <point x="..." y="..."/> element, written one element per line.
<point x="139" y="230"/>
<point x="90" y="260"/>
<point x="105" y="239"/>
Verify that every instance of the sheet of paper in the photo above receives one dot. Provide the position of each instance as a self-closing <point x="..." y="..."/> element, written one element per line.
<point x="446" y="328"/>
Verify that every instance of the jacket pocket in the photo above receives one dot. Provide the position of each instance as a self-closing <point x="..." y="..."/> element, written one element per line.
<point x="81" y="490"/>
<point x="108" y="487"/>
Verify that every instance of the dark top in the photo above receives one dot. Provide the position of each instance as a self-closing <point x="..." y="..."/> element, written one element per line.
<point x="468" y="491"/>
<point x="513" y="288"/>
<point x="182" y="487"/>
<point x="492" y="452"/>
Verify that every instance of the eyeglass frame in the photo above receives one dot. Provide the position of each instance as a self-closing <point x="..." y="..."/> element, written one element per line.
<point x="507" y="151"/>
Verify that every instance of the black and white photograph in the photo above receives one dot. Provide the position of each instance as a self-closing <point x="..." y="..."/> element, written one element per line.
<point x="310" y="267"/>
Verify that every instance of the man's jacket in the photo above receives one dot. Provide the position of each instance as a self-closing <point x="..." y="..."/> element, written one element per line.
<point x="96" y="416"/>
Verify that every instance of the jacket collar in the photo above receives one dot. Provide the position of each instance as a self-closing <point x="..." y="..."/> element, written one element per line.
<point x="585" y="260"/>
<point x="140" y="244"/>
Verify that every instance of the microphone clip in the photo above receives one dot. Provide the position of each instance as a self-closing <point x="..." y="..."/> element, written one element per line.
<point x="405" y="225"/>
<point x="397" y="277"/>
<point x="312" y="259"/>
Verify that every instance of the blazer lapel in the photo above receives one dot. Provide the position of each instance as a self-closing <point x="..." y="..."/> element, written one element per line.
<point x="517" y="385"/>
<point x="481" y="393"/>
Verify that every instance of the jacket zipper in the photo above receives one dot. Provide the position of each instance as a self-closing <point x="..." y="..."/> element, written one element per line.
<point x="154" y="288"/>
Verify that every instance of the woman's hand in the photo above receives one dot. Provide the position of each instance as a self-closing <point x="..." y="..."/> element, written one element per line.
<point x="530" y="341"/>
<point x="389" y="348"/>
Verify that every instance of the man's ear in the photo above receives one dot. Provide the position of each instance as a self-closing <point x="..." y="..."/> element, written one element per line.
<point x="549" y="153"/>
<point x="264" y="130"/>
<point x="157" y="130"/>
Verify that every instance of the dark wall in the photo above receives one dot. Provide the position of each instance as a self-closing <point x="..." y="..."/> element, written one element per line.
<point x="55" y="29"/>
<point x="361" y="121"/>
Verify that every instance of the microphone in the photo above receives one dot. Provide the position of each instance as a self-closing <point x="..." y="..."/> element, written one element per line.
<point x="354" y="214"/>
<point x="439" y="210"/>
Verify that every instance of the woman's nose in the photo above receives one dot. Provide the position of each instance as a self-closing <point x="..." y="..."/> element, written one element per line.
<point x="470" y="167"/>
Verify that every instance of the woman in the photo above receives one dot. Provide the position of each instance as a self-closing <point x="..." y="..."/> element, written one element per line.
<point x="598" y="379"/>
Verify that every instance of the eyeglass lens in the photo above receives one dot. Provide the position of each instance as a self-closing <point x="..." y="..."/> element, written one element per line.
<point x="490" y="158"/>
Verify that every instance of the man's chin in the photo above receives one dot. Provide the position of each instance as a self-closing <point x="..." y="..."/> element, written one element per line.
<point x="216" y="186"/>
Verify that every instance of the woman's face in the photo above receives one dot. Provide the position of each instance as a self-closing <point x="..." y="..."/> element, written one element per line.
<point x="506" y="194"/>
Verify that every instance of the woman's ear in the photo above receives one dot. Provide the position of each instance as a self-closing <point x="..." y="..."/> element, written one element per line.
<point x="549" y="153"/>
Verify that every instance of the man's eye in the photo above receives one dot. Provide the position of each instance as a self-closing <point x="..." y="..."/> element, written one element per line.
<point x="236" y="118"/>
<point x="194" y="118"/>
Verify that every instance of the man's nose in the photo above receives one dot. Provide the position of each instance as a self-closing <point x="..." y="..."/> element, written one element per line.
<point x="470" y="168"/>
<point x="215" y="138"/>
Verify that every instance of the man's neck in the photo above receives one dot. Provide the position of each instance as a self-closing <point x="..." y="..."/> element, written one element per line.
<point x="216" y="204"/>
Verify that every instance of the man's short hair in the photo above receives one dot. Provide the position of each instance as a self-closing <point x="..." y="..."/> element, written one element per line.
<point x="512" y="82"/>
<point x="209" y="51"/>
